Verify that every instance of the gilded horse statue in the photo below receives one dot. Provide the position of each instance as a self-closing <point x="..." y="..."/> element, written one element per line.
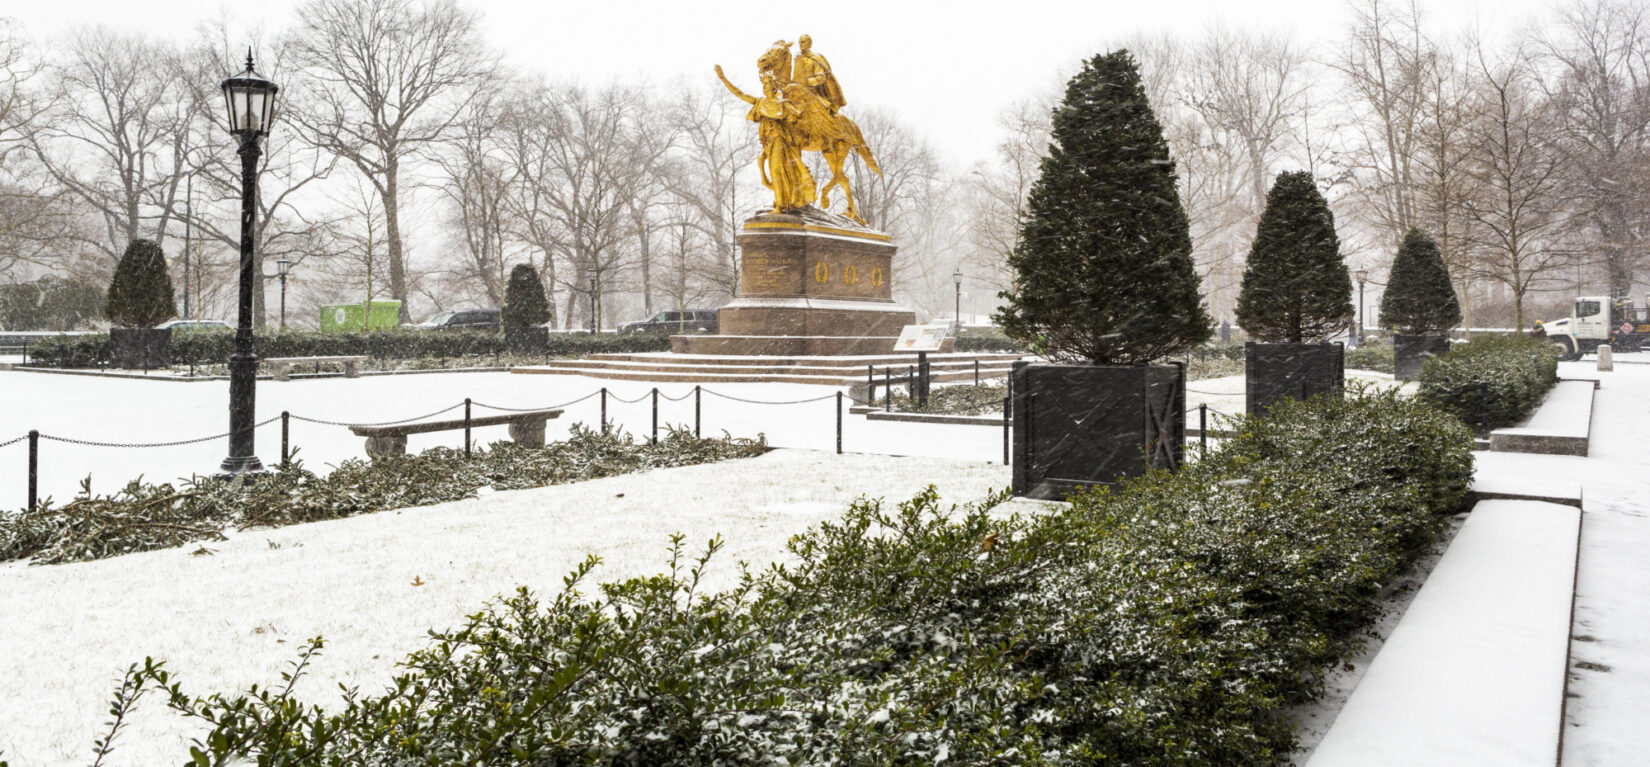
<point x="793" y="118"/>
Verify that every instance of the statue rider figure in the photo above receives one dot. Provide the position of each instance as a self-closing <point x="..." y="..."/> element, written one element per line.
<point x="812" y="70"/>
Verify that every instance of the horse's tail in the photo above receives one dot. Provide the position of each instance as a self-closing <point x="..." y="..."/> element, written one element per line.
<point x="857" y="141"/>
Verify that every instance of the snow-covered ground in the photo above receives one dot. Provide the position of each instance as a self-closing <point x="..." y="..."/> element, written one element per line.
<point x="234" y="615"/>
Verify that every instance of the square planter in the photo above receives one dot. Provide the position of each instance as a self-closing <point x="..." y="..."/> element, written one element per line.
<point x="526" y="340"/>
<point x="1082" y="425"/>
<point x="1411" y="352"/>
<point x="1274" y="372"/>
<point x="145" y="348"/>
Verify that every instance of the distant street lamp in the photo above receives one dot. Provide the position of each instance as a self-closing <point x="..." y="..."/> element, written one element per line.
<point x="282" y="266"/>
<point x="1362" y="276"/>
<point x="251" y="102"/>
<point x="956" y="279"/>
<point x="591" y="274"/>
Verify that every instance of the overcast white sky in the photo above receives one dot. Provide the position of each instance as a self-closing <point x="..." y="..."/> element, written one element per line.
<point x="948" y="68"/>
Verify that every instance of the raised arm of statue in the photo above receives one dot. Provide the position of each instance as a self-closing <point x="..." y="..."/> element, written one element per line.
<point x="748" y="99"/>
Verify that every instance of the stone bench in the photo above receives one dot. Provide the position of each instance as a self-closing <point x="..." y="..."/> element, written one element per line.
<point x="526" y="428"/>
<point x="281" y="367"/>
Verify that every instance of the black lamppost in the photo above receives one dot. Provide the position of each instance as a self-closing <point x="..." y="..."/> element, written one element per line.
<point x="1362" y="276"/>
<point x="591" y="273"/>
<point x="251" y="102"/>
<point x="956" y="279"/>
<point x="282" y="266"/>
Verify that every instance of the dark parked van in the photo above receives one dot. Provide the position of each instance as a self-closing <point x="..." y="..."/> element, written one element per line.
<point x="690" y="321"/>
<point x="468" y="319"/>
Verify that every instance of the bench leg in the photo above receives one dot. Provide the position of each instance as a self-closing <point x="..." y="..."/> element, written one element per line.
<point x="386" y="447"/>
<point x="352" y="369"/>
<point x="528" y="433"/>
<point x="281" y="370"/>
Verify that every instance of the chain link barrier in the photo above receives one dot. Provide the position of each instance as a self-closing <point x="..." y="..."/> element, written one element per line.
<point x="767" y="402"/>
<point x="197" y="440"/>
<point x="9" y="443"/>
<point x="531" y="409"/>
<point x="297" y="417"/>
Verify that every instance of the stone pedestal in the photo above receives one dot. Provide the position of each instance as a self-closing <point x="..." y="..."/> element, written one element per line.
<point x="810" y="283"/>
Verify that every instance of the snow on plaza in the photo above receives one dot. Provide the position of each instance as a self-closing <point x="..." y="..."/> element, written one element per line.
<point x="235" y="618"/>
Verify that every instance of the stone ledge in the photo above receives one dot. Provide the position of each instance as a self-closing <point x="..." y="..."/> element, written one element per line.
<point x="1561" y="425"/>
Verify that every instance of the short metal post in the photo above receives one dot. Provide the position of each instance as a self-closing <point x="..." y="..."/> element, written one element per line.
<point x="871" y="384"/>
<point x="696" y="411"/>
<point x="887" y="389"/>
<point x="922" y="379"/>
<point x="466" y="427"/>
<point x="839" y="423"/>
<point x="1203" y="427"/>
<point x="604" y="409"/>
<point x="654" y="440"/>
<point x="1008" y="421"/>
<point x="976" y="372"/>
<point x="286" y="437"/>
<point x="34" y="469"/>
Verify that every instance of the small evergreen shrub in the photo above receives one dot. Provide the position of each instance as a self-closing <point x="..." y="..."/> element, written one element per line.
<point x="1372" y="355"/>
<point x="1419" y="298"/>
<point x="1103" y="269"/>
<point x="1166" y="622"/>
<point x="524" y="301"/>
<point x="1491" y="381"/>
<point x="1295" y="288"/>
<point x="140" y="294"/>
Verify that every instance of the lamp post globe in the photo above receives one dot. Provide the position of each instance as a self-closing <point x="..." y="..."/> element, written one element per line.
<point x="250" y="99"/>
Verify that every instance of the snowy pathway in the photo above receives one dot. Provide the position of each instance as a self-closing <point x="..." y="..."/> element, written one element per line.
<point x="373" y="584"/>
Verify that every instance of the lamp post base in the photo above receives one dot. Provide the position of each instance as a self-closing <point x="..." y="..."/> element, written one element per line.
<point x="235" y="466"/>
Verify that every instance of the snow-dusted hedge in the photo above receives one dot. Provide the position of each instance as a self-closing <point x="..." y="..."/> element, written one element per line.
<point x="1168" y="622"/>
<point x="146" y="516"/>
<point x="1491" y="381"/>
<point x="207" y="347"/>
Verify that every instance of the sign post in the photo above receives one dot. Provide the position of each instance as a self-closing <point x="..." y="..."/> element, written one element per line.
<point x="921" y="339"/>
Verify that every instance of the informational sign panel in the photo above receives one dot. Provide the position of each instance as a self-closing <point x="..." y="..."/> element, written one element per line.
<point x="920" y="338"/>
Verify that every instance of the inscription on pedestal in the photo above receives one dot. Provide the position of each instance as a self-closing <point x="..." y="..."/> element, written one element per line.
<point x="768" y="274"/>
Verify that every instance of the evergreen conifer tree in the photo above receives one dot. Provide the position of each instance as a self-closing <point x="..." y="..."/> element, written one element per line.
<point x="524" y="301"/>
<point x="1296" y="288"/>
<point x="140" y="294"/>
<point x="1419" y="298"/>
<point x="1103" y="270"/>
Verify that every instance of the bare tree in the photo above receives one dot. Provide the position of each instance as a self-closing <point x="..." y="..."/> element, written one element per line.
<point x="1385" y="64"/>
<point x="386" y="79"/>
<point x="997" y="191"/>
<point x="1444" y="181"/>
<point x="476" y="182"/>
<point x="1600" y="53"/>
<point x="114" y="142"/>
<point x="1250" y="87"/>
<point x="1516" y="174"/>
<point x="714" y="172"/>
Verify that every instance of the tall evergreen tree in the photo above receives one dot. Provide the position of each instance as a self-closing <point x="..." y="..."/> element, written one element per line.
<point x="524" y="301"/>
<point x="1296" y="288"/>
<point x="1419" y="298"/>
<point x="140" y="295"/>
<point x="1103" y="270"/>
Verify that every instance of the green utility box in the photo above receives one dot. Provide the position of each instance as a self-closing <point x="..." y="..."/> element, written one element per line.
<point x="347" y="318"/>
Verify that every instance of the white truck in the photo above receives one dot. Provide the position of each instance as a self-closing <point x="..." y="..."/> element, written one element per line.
<point x="1597" y="320"/>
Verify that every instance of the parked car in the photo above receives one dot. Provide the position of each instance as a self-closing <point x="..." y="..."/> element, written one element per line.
<point x="466" y="319"/>
<point x="689" y="321"/>
<point x="189" y="325"/>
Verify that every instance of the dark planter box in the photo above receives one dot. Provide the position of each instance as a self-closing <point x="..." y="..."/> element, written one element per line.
<point x="526" y="340"/>
<point x="134" y="348"/>
<point x="1275" y="372"/>
<point x="1411" y="352"/>
<point x="1082" y="425"/>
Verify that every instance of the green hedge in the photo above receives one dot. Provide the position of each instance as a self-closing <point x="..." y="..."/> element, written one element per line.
<point x="1377" y="356"/>
<point x="1168" y="622"/>
<point x="207" y="347"/>
<point x="978" y="340"/>
<point x="1491" y="381"/>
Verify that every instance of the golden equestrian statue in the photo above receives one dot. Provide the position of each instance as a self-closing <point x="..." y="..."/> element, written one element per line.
<point x="798" y="112"/>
